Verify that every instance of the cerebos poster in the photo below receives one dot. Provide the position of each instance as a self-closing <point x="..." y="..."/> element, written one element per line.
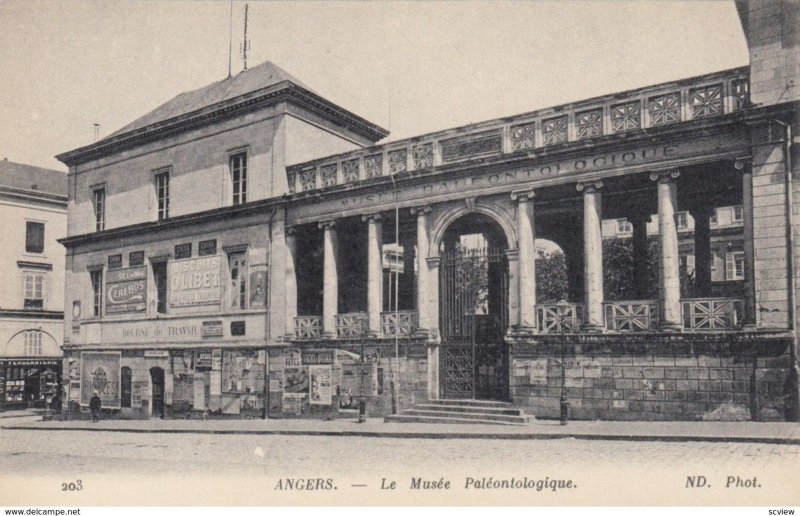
<point x="320" y="390"/>
<point x="100" y="373"/>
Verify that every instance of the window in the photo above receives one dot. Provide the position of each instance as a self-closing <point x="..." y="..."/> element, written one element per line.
<point x="682" y="220"/>
<point x="33" y="342"/>
<point x="34" y="291"/>
<point x="99" y="202"/>
<point x="34" y="237"/>
<point x="738" y="214"/>
<point x="687" y="263"/>
<point x="238" y="166"/>
<point x="162" y="194"/>
<point x="238" y="271"/>
<point x="160" y="279"/>
<point x="97" y="292"/>
<point x="734" y="265"/>
<point x="623" y="226"/>
<point x="712" y="220"/>
<point x="125" y="389"/>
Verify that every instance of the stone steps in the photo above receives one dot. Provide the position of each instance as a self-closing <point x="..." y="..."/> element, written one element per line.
<point x="461" y="412"/>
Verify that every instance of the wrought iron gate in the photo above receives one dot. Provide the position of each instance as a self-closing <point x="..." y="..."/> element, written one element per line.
<point x="473" y="286"/>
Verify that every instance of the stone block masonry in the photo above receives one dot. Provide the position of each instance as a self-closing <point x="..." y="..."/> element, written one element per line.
<point x="712" y="378"/>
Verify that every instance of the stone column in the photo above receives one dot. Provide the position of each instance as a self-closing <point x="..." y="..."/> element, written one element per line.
<point x="592" y="255"/>
<point x="423" y="239"/>
<point x="432" y="306"/>
<point x="527" y="260"/>
<point x="330" y="280"/>
<point x="702" y="248"/>
<point x="290" y="281"/>
<point x="669" y="264"/>
<point x="374" y="273"/>
<point x="639" y="222"/>
<point x="744" y="165"/>
<point x="512" y="255"/>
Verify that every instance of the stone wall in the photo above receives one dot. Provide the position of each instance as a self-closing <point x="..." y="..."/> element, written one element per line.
<point x="633" y="379"/>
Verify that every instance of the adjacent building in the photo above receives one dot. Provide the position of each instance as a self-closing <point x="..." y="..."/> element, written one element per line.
<point x="175" y="224"/>
<point x="249" y="249"/>
<point x="33" y="208"/>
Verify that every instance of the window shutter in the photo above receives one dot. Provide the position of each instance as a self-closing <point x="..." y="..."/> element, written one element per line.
<point x="34" y="237"/>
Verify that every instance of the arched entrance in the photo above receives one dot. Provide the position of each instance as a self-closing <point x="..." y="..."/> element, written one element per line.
<point x="473" y="301"/>
<point x="157" y="378"/>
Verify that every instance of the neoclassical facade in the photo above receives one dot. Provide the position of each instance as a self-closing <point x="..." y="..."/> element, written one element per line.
<point x="267" y="256"/>
<point x="467" y="314"/>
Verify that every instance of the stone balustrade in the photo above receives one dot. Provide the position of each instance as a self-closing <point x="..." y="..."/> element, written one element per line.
<point x="308" y="327"/>
<point x="701" y="97"/>
<point x="402" y="323"/>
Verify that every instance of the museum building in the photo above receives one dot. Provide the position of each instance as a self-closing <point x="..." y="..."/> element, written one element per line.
<point x="249" y="249"/>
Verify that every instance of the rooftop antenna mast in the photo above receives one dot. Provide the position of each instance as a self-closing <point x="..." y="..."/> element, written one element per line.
<point x="245" y="45"/>
<point x="230" y="40"/>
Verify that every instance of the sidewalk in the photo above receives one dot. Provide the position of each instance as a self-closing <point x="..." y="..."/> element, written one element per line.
<point x="776" y="433"/>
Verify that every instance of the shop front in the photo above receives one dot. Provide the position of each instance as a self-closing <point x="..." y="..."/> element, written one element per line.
<point x="183" y="367"/>
<point x="26" y="383"/>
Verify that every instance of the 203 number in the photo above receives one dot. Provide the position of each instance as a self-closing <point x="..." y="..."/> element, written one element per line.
<point x="72" y="486"/>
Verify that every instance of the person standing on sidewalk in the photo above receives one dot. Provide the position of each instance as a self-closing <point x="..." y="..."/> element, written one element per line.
<point x="94" y="407"/>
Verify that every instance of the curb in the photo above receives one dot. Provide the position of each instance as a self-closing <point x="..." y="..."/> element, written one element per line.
<point x="433" y="435"/>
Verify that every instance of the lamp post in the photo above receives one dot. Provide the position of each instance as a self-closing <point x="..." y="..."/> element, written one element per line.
<point x="563" y="404"/>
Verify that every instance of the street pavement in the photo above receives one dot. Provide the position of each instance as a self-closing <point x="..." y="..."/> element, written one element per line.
<point x="742" y="431"/>
<point x="252" y="468"/>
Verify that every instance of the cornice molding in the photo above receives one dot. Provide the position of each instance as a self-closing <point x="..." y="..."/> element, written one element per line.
<point x="262" y="207"/>
<point x="284" y="91"/>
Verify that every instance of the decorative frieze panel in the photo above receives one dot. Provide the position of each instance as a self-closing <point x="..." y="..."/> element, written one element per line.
<point x="373" y="165"/>
<point x="308" y="179"/>
<point x="627" y="116"/>
<point x="523" y="136"/>
<point x="350" y="170"/>
<point x="706" y="101"/>
<point x="741" y="93"/>
<point x="423" y="155"/>
<point x="589" y="124"/>
<point x="665" y="109"/>
<point x="554" y="130"/>
<point x="398" y="161"/>
<point x="328" y="174"/>
<point x="461" y="148"/>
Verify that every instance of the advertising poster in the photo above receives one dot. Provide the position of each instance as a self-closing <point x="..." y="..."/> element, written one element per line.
<point x="320" y="390"/>
<point x="195" y="281"/>
<point x="293" y="403"/>
<point x="292" y="357"/>
<point x="126" y="290"/>
<point x="242" y="372"/>
<point x="140" y="391"/>
<point x="295" y="379"/>
<point x="258" y="286"/>
<point x="100" y="373"/>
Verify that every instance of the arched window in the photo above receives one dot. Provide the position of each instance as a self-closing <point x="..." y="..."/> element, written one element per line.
<point x="126" y="387"/>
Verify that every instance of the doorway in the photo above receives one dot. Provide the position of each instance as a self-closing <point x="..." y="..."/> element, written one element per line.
<point x="473" y="300"/>
<point x="157" y="380"/>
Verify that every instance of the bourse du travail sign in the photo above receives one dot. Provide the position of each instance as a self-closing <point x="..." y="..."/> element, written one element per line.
<point x="195" y="281"/>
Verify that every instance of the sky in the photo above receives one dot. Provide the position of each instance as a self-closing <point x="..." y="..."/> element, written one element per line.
<point x="410" y="67"/>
